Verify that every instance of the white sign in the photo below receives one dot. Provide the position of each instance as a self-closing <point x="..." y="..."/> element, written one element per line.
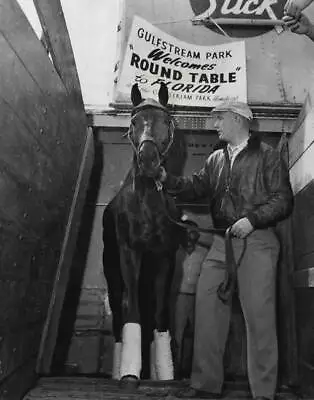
<point x="301" y="146"/>
<point x="200" y="76"/>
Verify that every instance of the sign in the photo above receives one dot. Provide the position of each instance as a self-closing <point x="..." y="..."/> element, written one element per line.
<point x="243" y="10"/>
<point x="197" y="76"/>
<point x="301" y="146"/>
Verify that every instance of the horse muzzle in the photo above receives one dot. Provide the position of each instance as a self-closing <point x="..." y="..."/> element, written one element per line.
<point x="148" y="159"/>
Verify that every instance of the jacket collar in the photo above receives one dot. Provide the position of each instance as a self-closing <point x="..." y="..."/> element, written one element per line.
<point x="253" y="143"/>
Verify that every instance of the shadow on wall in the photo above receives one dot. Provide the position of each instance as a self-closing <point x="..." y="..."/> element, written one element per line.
<point x="72" y="297"/>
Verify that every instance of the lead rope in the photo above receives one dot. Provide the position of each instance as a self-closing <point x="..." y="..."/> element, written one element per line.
<point x="227" y="288"/>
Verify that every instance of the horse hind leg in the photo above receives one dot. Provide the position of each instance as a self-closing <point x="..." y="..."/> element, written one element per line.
<point x="115" y="290"/>
<point x="115" y="285"/>
<point x="117" y="332"/>
<point x="162" y="368"/>
<point x="131" y="357"/>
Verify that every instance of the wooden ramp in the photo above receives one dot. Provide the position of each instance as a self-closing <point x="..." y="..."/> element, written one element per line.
<point x="85" y="388"/>
<point x="64" y="388"/>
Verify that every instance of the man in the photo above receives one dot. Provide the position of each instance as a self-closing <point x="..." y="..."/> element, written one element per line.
<point x="249" y="190"/>
<point x="296" y="21"/>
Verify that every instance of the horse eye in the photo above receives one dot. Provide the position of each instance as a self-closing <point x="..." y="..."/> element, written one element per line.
<point x="133" y="120"/>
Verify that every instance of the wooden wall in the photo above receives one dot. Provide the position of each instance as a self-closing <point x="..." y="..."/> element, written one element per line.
<point x="42" y="139"/>
<point x="301" y="147"/>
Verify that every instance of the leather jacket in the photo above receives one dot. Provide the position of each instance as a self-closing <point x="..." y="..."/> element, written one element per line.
<point x="257" y="186"/>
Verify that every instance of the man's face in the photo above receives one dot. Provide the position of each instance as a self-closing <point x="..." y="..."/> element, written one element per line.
<point x="226" y="124"/>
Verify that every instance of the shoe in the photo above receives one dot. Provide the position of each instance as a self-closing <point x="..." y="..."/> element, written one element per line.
<point x="191" y="393"/>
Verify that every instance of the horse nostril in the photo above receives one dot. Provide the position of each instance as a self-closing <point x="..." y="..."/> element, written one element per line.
<point x="154" y="159"/>
<point x="148" y="157"/>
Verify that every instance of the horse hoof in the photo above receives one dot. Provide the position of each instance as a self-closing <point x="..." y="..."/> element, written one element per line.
<point x="129" y="382"/>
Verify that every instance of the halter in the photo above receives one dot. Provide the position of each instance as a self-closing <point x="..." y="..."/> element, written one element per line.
<point x="150" y="103"/>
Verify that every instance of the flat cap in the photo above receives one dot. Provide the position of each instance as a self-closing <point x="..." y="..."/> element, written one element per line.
<point x="237" y="107"/>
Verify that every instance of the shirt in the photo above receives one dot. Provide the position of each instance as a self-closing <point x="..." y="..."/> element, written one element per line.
<point x="233" y="151"/>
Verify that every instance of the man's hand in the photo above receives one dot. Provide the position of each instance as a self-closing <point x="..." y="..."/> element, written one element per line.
<point x="162" y="174"/>
<point x="242" y="228"/>
<point x="293" y="8"/>
<point x="300" y="25"/>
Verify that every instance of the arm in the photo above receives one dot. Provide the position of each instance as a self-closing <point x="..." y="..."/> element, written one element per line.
<point x="279" y="204"/>
<point x="301" y="25"/>
<point x="189" y="188"/>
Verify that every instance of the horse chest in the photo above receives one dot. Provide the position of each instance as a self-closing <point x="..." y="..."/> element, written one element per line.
<point x="143" y="220"/>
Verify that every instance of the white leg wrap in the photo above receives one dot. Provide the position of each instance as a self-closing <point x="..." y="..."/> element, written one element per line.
<point x="163" y="356"/>
<point x="153" y="373"/>
<point x="116" y="360"/>
<point x="131" y="356"/>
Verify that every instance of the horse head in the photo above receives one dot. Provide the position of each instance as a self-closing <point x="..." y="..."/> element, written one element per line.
<point x="151" y="131"/>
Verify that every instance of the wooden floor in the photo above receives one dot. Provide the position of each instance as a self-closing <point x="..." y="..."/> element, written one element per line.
<point x="83" y="388"/>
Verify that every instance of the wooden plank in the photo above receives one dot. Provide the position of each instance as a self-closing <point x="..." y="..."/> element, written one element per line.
<point x="17" y="31"/>
<point x="21" y="149"/>
<point x="56" y="34"/>
<point x="17" y="384"/>
<point x="285" y="293"/>
<point x="50" y="330"/>
<point x="57" y="37"/>
<point x="38" y="102"/>
<point x="303" y="223"/>
<point x="302" y="172"/>
<point x="22" y="305"/>
<point x="186" y="121"/>
<point x="98" y="388"/>
<point x="89" y="351"/>
<point x="303" y="239"/>
<point x="16" y="348"/>
<point x="301" y="146"/>
<point x="286" y="307"/>
<point x="19" y="201"/>
<point x="103" y="389"/>
<point x="15" y="265"/>
<point x="41" y="147"/>
<point x="302" y="136"/>
<point x="305" y="328"/>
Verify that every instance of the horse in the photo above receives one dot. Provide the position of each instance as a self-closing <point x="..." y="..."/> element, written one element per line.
<point x="140" y="239"/>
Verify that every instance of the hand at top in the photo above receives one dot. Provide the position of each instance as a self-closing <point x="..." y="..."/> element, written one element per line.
<point x="162" y="174"/>
<point x="301" y="25"/>
<point x="293" y="8"/>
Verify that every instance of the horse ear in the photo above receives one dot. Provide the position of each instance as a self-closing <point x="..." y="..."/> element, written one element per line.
<point x="163" y="94"/>
<point x="136" y="96"/>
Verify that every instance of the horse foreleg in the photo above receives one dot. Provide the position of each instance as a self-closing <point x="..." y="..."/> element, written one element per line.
<point x="131" y="358"/>
<point x="162" y="340"/>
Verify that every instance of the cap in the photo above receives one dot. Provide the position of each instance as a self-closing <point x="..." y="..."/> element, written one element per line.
<point x="237" y="107"/>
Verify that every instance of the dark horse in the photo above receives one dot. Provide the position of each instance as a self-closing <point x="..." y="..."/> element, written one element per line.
<point x="140" y="238"/>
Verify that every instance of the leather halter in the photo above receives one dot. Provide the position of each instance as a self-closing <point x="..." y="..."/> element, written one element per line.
<point x="150" y="103"/>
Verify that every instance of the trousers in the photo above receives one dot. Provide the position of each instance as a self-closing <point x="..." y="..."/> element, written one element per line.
<point x="256" y="280"/>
